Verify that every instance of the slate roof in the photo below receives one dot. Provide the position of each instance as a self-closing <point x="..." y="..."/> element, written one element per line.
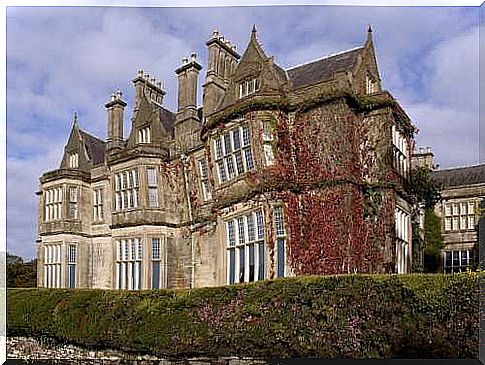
<point x="168" y="119"/>
<point x="322" y="69"/>
<point x="94" y="147"/>
<point x="460" y="176"/>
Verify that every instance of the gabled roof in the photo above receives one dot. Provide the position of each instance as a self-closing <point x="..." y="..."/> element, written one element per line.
<point x="95" y="147"/>
<point x="460" y="176"/>
<point x="322" y="69"/>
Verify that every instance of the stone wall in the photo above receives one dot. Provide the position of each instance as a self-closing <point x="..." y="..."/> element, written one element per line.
<point x="32" y="349"/>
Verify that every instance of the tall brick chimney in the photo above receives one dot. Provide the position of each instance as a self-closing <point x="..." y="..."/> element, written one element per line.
<point x="187" y="123"/>
<point x="116" y="109"/>
<point x="187" y="74"/>
<point x="152" y="88"/>
<point x="223" y="60"/>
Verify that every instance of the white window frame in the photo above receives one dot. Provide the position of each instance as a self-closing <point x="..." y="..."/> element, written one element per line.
<point x="400" y="152"/>
<point x="98" y="213"/>
<point x="129" y="263"/>
<point x="52" y="265"/>
<point x="53" y="204"/>
<point x="126" y="194"/>
<point x="247" y="233"/>
<point x="152" y="187"/>
<point x="204" y="180"/>
<point x="74" y="160"/>
<point x="233" y="156"/>
<point x="144" y="135"/>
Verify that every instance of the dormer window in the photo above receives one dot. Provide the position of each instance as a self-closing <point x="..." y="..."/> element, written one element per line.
<point x="73" y="160"/>
<point x="370" y="85"/>
<point x="247" y="87"/>
<point x="144" y="135"/>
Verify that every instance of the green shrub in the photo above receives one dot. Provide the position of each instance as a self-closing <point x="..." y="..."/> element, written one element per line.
<point x="351" y="316"/>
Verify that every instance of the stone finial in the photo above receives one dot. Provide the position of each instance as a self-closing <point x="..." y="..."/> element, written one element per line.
<point x="113" y="96"/>
<point x="146" y="76"/>
<point x="153" y="80"/>
<point x="185" y="60"/>
<point x="421" y="150"/>
<point x="215" y="33"/>
<point x="140" y="73"/>
<point x="428" y="149"/>
<point x="159" y="84"/>
<point x="118" y="94"/>
<point x="193" y="56"/>
<point x="74" y="121"/>
<point x="369" y="33"/>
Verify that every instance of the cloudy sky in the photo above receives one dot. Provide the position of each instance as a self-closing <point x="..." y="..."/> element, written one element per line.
<point x="61" y="60"/>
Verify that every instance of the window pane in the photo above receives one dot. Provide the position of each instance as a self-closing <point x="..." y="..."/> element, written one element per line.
<point x="281" y="257"/>
<point x="251" y="262"/>
<point x="246" y="140"/>
<point x="250" y="223"/>
<point x="448" y="258"/>
<point x="231" y="234"/>
<point x="152" y="197"/>
<point x="260" y="224"/>
<point x="218" y="144"/>
<point x="155" y="275"/>
<point x="156" y="249"/>
<point x="261" y="273"/>
<point x="240" y="229"/>
<point x="236" y="139"/>
<point x="249" y="159"/>
<point x="227" y="144"/>
<point x="242" y="260"/>
<point x="222" y="171"/>
<point x="231" y="265"/>
<point x="152" y="177"/>
<point x="239" y="162"/>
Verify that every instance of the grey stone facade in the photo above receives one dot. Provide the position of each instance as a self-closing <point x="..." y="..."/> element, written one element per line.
<point x="462" y="190"/>
<point x="155" y="209"/>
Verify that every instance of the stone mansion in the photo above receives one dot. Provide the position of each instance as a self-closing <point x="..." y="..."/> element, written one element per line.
<point x="280" y="172"/>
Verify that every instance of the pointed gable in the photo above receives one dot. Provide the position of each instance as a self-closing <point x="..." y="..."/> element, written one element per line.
<point x="152" y="115"/>
<point x="82" y="150"/>
<point x="256" y="73"/>
<point x="366" y="72"/>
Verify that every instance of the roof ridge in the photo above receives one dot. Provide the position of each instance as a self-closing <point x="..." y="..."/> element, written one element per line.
<point x="460" y="167"/>
<point x="324" y="58"/>
<point x="90" y="135"/>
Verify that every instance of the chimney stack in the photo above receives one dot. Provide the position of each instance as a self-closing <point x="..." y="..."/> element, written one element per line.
<point x="152" y="88"/>
<point x="116" y="109"/>
<point x="222" y="63"/>
<point x="187" y="74"/>
<point x="423" y="158"/>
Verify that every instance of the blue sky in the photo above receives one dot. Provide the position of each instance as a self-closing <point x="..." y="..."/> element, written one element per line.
<point x="61" y="60"/>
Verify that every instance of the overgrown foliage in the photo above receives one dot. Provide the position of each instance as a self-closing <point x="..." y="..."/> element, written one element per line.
<point x="350" y="316"/>
<point x="21" y="274"/>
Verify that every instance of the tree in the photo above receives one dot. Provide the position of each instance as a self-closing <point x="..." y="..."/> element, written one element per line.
<point x="21" y="274"/>
<point x="429" y="240"/>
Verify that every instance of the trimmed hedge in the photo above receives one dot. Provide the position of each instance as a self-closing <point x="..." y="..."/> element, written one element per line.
<point x="352" y="316"/>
